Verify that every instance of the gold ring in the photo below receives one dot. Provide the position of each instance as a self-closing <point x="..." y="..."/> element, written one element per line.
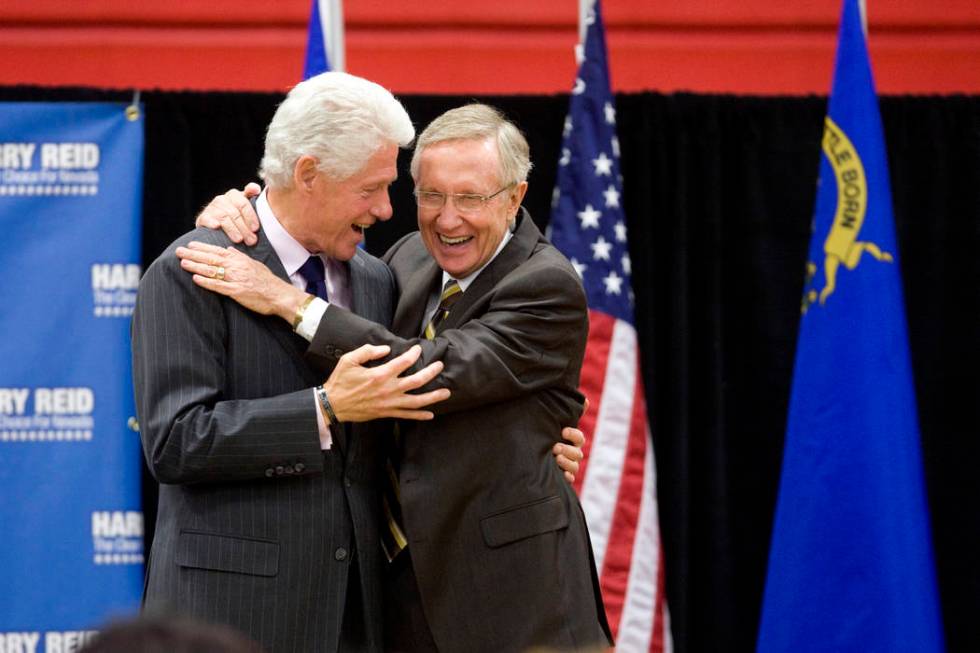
<point x="220" y="274"/>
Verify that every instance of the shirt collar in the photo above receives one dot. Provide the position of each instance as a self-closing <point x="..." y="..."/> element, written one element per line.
<point x="290" y="252"/>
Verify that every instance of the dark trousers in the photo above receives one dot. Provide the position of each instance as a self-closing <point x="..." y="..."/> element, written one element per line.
<point x="406" y="628"/>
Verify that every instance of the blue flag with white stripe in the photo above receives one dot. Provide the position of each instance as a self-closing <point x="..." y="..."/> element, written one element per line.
<point x="851" y="562"/>
<point x="325" y="39"/>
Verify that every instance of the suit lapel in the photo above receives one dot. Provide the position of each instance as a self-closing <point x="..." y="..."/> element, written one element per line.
<point x="362" y="299"/>
<point x="294" y="345"/>
<point x="526" y="236"/>
<point x="415" y="295"/>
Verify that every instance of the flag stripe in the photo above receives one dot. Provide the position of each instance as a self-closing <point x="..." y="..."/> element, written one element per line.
<point x="593" y="385"/>
<point x="617" y="574"/>
<point x="639" y="611"/>
<point x="600" y="488"/>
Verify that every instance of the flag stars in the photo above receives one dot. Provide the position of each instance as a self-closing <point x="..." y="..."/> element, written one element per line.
<point x="555" y="196"/>
<point x="612" y="197"/>
<point x="566" y="157"/>
<point x="627" y="265"/>
<point x="589" y="217"/>
<point x="568" y="127"/>
<point x="601" y="249"/>
<point x="603" y="165"/>
<point x="615" y="146"/>
<point x="610" y="112"/>
<point x="613" y="283"/>
<point x="580" y="268"/>
<point x="620" y="230"/>
<point x="579" y="87"/>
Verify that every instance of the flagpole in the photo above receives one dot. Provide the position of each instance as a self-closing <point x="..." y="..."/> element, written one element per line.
<point x="332" y="15"/>
<point x="584" y="6"/>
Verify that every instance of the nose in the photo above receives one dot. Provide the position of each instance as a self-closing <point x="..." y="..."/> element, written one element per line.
<point x="449" y="216"/>
<point x="382" y="210"/>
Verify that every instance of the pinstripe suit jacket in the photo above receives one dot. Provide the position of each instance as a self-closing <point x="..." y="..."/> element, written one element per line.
<point x="498" y="540"/>
<point x="257" y="528"/>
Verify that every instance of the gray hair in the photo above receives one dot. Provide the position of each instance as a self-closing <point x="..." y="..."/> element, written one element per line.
<point x="340" y="119"/>
<point x="477" y="122"/>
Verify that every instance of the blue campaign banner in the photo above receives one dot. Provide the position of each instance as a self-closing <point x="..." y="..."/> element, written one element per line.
<point x="71" y="541"/>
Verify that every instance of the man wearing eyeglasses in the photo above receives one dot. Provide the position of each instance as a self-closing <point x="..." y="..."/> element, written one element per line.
<point x="488" y="545"/>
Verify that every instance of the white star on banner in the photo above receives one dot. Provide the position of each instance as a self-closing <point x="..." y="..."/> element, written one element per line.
<point x="627" y="264"/>
<point x="615" y="146"/>
<point x="600" y="249"/>
<point x="555" y="196"/>
<point x="614" y="283"/>
<point x="612" y="197"/>
<point x="603" y="165"/>
<point x="580" y="268"/>
<point x="610" y="112"/>
<point x="566" y="156"/>
<point x="568" y="126"/>
<point x="589" y="217"/>
<point x="620" y="230"/>
<point x="579" y="87"/>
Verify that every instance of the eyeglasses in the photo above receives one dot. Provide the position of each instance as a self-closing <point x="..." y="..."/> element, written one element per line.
<point x="464" y="202"/>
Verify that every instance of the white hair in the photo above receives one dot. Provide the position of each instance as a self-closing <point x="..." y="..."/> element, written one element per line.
<point x="340" y="119"/>
<point x="475" y="122"/>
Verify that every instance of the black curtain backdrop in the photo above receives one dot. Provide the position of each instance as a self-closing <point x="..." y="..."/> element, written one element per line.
<point x="719" y="192"/>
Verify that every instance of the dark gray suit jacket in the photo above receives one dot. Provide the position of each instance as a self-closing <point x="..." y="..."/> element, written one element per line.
<point x="257" y="528"/>
<point x="497" y="537"/>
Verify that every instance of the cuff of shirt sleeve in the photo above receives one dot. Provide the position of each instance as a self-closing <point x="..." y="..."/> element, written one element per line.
<point x="311" y="321"/>
<point x="326" y="440"/>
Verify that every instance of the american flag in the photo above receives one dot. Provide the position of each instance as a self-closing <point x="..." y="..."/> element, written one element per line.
<point x="617" y="485"/>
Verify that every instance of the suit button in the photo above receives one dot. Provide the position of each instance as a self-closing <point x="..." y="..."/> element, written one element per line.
<point x="347" y="482"/>
<point x="279" y="470"/>
<point x="270" y="472"/>
<point x="299" y="467"/>
<point x="340" y="554"/>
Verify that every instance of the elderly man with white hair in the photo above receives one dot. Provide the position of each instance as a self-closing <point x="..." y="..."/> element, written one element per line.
<point x="268" y="505"/>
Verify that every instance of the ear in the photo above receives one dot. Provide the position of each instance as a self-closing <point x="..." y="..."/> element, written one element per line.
<point x="517" y="196"/>
<point x="304" y="172"/>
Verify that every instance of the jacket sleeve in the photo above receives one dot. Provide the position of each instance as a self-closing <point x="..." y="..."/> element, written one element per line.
<point x="529" y="335"/>
<point x="190" y="431"/>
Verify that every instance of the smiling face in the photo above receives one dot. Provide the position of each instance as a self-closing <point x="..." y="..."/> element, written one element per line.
<point x="461" y="242"/>
<point x="335" y="214"/>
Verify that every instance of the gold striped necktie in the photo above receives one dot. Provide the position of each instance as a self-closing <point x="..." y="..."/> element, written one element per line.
<point x="450" y="295"/>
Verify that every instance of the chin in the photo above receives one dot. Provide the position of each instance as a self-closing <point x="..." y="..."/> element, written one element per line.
<point x="344" y="253"/>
